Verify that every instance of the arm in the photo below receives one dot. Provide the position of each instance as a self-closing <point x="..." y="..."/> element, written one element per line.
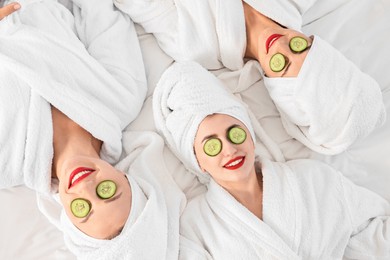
<point x="370" y="214"/>
<point x="208" y="32"/>
<point x="113" y="42"/>
<point x="158" y="17"/>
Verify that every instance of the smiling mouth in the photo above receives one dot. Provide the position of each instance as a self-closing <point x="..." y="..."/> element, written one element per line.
<point x="78" y="175"/>
<point x="271" y="40"/>
<point x="235" y="163"/>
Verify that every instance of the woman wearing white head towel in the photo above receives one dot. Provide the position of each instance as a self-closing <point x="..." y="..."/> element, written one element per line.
<point x="255" y="208"/>
<point x="62" y="116"/>
<point x="327" y="105"/>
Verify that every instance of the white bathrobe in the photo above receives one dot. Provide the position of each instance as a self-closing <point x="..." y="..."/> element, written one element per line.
<point x="43" y="62"/>
<point x="326" y="116"/>
<point x="152" y="228"/>
<point x="310" y="211"/>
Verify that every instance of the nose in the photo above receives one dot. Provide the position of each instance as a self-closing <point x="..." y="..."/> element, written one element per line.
<point x="282" y="45"/>
<point x="86" y="188"/>
<point x="228" y="149"/>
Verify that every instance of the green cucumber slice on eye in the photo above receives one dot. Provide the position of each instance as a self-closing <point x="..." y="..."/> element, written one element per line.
<point x="212" y="147"/>
<point x="277" y="62"/>
<point x="298" y="44"/>
<point x="106" y="189"/>
<point x="237" y="135"/>
<point x="80" y="207"/>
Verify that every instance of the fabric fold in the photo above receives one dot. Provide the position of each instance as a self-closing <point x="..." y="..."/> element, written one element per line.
<point x="184" y="96"/>
<point x="328" y="107"/>
<point x="45" y="63"/>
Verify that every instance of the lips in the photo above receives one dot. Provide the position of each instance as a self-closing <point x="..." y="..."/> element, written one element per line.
<point x="271" y="41"/>
<point x="78" y="175"/>
<point x="235" y="163"/>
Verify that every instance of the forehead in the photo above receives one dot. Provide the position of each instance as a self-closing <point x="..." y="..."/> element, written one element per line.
<point x="109" y="218"/>
<point x="215" y="122"/>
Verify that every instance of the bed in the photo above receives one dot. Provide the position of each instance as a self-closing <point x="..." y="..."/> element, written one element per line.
<point x="359" y="29"/>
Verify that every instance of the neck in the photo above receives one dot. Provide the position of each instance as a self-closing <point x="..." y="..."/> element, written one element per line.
<point x="249" y="193"/>
<point x="255" y="24"/>
<point x="69" y="140"/>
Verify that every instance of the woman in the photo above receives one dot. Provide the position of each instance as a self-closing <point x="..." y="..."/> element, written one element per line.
<point x="63" y="114"/>
<point x="327" y="106"/>
<point x="255" y="208"/>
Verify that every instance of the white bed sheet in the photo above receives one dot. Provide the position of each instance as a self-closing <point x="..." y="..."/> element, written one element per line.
<point x="359" y="28"/>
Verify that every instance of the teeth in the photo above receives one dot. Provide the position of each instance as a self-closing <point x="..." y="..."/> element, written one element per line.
<point x="78" y="175"/>
<point x="234" y="163"/>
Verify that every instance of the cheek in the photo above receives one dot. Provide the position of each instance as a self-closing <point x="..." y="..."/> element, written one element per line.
<point x="202" y="158"/>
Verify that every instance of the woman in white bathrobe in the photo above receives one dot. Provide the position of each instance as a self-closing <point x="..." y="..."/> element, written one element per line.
<point x="72" y="145"/>
<point x="62" y="115"/>
<point x="327" y="105"/>
<point x="255" y="208"/>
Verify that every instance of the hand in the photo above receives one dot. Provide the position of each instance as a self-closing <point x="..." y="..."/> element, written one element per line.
<point x="8" y="9"/>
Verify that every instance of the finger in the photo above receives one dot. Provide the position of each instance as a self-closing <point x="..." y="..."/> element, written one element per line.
<point x="8" y="9"/>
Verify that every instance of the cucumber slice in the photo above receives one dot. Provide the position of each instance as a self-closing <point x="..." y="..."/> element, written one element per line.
<point x="106" y="189"/>
<point x="80" y="207"/>
<point x="237" y="135"/>
<point x="277" y="62"/>
<point x="212" y="147"/>
<point x="298" y="44"/>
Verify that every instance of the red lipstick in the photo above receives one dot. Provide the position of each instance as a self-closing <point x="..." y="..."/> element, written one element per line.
<point x="235" y="163"/>
<point x="78" y="175"/>
<point x="271" y="40"/>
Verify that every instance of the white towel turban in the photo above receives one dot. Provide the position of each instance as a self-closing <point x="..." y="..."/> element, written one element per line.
<point x="120" y="247"/>
<point x="331" y="99"/>
<point x="184" y="96"/>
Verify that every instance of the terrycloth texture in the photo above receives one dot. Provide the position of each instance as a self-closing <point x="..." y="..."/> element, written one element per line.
<point x="152" y="229"/>
<point x="121" y="57"/>
<point x="210" y="32"/>
<point x="331" y="103"/>
<point x="42" y="63"/>
<point x="302" y="218"/>
<point x="184" y="96"/>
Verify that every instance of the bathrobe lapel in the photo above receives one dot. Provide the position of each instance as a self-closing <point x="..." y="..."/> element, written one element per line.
<point x="263" y="239"/>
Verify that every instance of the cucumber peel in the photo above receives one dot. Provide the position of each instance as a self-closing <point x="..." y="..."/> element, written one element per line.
<point x="277" y="62"/>
<point x="298" y="44"/>
<point x="106" y="189"/>
<point x="212" y="147"/>
<point x="80" y="207"/>
<point x="237" y="135"/>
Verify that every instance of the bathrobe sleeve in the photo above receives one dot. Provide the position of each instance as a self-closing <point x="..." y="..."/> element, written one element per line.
<point x="113" y="42"/>
<point x="210" y="32"/>
<point x="370" y="217"/>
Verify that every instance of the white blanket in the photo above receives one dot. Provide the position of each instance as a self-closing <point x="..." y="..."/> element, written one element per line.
<point x="43" y="63"/>
<point x="302" y="218"/>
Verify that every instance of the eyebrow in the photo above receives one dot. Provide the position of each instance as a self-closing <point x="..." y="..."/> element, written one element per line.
<point x="208" y="137"/>
<point x="113" y="198"/>
<point x="105" y="201"/>
<point x="87" y="217"/>
<point x="286" y="69"/>
<point x="215" y="136"/>
<point x="288" y="65"/>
